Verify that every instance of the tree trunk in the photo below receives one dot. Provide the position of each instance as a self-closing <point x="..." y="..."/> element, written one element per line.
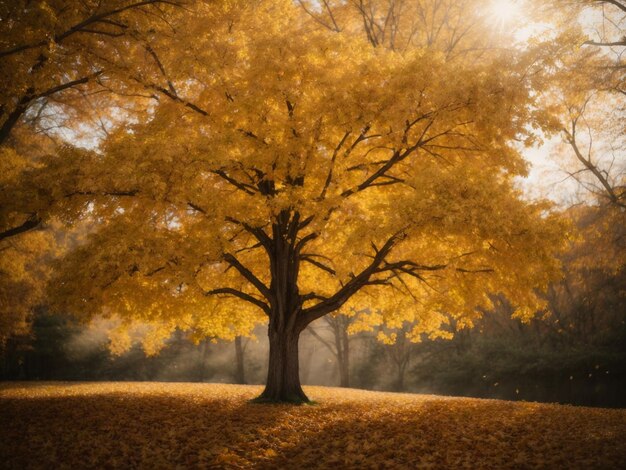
<point x="344" y="362"/>
<point x="283" y="379"/>
<point x="339" y="326"/>
<point x="240" y="377"/>
<point x="203" y="356"/>
<point x="399" y="386"/>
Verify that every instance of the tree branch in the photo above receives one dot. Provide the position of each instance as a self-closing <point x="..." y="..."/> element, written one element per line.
<point x="258" y="232"/>
<point x="332" y="164"/>
<point x="71" y="84"/>
<point x="398" y="156"/>
<point x="27" y="99"/>
<point x="129" y="193"/>
<point x="322" y="266"/>
<point x="246" y="188"/>
<point x="242" y="295"/>
<point x="340" y="297"/>
<point x="29" y="224"/>
<point x="606" y="44"/>
<point x="589" y="165"/>
<point x="616" y="3"/>
<point x="322" y="340"/>
<point x="81" y="27"/>
<point x="248" y="275"/>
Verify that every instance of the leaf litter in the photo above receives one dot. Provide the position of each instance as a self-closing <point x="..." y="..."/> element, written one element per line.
<point x="185" y="425"/>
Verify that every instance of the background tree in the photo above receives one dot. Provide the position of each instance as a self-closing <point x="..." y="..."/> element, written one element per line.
<point x="240" y="371"/>
<point x="400" y="351"/>
<point x="456" y="29"/>
<point x="590" y="90"/>
<point x="339" y="346"/>
<point x="65" y="69"/>
<point x="25" y="256"/>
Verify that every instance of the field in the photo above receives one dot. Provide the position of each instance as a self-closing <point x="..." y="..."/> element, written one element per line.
<point x="180" y="425"/>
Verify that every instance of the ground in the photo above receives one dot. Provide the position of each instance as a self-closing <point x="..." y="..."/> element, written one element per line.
<point x="181" y="425"/>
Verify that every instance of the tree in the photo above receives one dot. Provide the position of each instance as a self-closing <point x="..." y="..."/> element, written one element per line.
<point x="340" y="346"/>
<point x="591" y="91"/>
<point x="23" y="272"/>
<point x="24" y="259"/>
<point x="613" y="15"/>
<point x="295" y="171"/>
<point x="585" y="306"/>
<point x="590" y="94"/>
<point x="65" y="69"/>
<point x="455" y="29"/>
<point x="240" y="373"/>
<point x="400" y="351"/>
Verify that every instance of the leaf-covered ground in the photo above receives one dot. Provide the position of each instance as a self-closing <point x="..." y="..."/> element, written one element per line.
<point x="174" y="425"/>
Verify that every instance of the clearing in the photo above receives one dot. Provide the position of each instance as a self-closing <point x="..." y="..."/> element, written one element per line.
<point x="168" y="425"/>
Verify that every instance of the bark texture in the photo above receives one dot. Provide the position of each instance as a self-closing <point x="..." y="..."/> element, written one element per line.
<point x="283" y="378"/>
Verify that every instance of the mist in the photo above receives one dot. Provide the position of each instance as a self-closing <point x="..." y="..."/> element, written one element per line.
<point x="500" y="357"/>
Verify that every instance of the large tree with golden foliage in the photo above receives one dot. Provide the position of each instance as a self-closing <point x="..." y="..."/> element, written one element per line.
<point x="284" y="170"/>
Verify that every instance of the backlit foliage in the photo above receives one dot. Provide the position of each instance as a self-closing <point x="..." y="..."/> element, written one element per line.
<point x="60" y="62"/>
<point x="215" y="426"/>
<point x="58" y="58"/>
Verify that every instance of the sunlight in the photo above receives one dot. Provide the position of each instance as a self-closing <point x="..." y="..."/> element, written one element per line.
<point x="505" y="12"/>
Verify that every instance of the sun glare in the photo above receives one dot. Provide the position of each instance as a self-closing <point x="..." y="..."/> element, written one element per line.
<point x="505" y="12"/>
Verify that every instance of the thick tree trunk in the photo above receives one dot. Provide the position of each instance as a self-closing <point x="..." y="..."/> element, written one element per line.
<point x="283" y="378"/>
<point x="240" y="376"/>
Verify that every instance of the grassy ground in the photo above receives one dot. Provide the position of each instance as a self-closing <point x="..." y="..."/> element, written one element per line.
<point x="171" y="425"/>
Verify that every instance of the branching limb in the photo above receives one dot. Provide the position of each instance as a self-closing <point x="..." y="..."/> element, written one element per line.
<point x="84" y="25"/>
<point x="332" y="164"/>
<point x="340" y="297"/>
<point x="245" y="187"/>
<point x="617" y="3"/>
<point x="620" y="43"/>
<point x="248" y="275"/>
<point x="318" y="337"/>
<point x="23" y="103"/>
<point x="242" y="295"/>
<point x="601" y="177"/>
<point x="332" y="27"/>
<point x="258" y="232"/>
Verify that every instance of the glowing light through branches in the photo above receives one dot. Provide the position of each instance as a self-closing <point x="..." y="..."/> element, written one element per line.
<point x="505" y="12"/>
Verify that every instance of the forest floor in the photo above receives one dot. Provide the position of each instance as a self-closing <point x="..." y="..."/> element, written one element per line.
<point x="183" y="425"/>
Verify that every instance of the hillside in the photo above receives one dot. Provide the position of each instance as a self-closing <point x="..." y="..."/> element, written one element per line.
<point x="164" y="425"/>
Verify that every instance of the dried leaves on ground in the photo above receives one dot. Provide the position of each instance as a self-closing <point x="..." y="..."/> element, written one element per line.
<point x="174" y="425"/>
